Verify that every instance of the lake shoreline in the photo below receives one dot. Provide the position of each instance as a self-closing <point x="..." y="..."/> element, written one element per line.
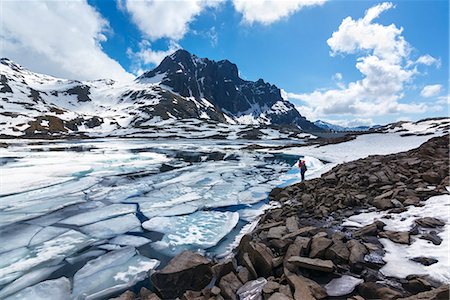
<point x="297" y="250"/>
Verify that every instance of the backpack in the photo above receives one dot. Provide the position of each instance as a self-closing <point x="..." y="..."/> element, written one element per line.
<point x="302" y="165"/>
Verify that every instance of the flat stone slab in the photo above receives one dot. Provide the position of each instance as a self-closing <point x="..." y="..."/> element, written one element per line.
<point x="313" y="263"/>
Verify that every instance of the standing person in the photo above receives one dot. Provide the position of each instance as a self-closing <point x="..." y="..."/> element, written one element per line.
<point x="303" y="168"/>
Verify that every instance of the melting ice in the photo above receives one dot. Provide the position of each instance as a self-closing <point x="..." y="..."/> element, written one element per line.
<point x="95" y="213"/>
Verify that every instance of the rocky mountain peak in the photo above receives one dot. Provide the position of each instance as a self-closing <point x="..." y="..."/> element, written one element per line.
<point x="11" y="64"/>
<point x="219" y="83"/>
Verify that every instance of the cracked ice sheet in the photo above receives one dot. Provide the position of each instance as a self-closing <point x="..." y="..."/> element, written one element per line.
<point x="49" y="289"/>
<point x="202" y="229"/>
<point x="112" y="227"/>
<point x="37" y="208"/>
<point x="398" y="263"/>
<point x="28" y="279"/>
<point x="111" y="273"/>
<point x="99" y="214"/>
<point x="46" y="166"/>
<point x="129" y="240"/>
<point x="50" y="252"/>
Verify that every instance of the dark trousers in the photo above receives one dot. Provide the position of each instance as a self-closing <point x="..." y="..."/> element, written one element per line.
<point x="303" y="175"/>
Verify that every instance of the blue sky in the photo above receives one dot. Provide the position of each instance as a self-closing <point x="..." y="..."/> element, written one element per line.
<point x="335" y="60"/>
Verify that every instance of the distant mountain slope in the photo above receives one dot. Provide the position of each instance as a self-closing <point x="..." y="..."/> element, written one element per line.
<point x="333" y="127"/>
<point x="33" y="104"/>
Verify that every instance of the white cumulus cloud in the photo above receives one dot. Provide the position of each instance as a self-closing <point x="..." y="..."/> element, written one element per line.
<point x="383" y="59"/>
<point x="146" y="55"/>
<point x="428" y="60"/>
<point x="61" y="38"/>
<point x="431" y="90"/>
<point x="165" y="19"/>
<point x="270" y="11"/>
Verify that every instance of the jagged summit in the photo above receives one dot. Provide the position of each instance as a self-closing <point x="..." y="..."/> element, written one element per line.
<point x="218" y="82"/>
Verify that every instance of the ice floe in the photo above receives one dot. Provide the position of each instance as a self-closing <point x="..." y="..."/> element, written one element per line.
<point x="27" y="280"/>
<point x="99" y="214"/>
<point x="111" y="273"/>
<point x="342" y="286"/>
<point x="50" y="252"/>
<point x="49" y="289"/>
<point x="129" y="240"/>
<point x="112" y="227"/>
<point x="202" y="229"/>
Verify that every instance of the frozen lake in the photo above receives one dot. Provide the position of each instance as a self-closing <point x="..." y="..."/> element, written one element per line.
<point x="116" y="208"/>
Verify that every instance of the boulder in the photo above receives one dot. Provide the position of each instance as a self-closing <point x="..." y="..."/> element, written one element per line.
<point x="430" y="222"/>
<point x="192" y="295"/>
<point x="426" y="261"/>
<point x="229" y="284"/>
<point x="279" y="296"/>
<point x="304" y="231"/>
<point x="319" y="245"/>
<point x="292" y="224"/>
<point x="417" y="284"/>
<point x="431" y="177"/>
<point x="432" y="237"/>
<point x="270" y="287"/>
<point x="222" y="268"/>
<point x="215" y="290"/>
<point x="261" y="257"/>
<point x="371" y="229"/>
<point x="244" y="274"/>
<point x="145" y="294"/>
<point x="356" y="256"/>
<point x="383" y="203"/>
<point x="411" y="200"/>
<point x="373" y="290"/>
<point x="401" y="237"/>
<point x="338" y="252"/>
<point x="249" y="265"/>
<point x="439" y="293"/>
<point x="313" y="263"/>
<point x="279" y="244"/>
<point x="128" y="295"/>
<point x="301" y="287"/>
<point x="276" y="232"/>
<point x="186" y="271"/>
<point x="286" y="290"/>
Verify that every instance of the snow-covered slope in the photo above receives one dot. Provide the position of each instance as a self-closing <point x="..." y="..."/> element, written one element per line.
<point x="33" y="105"/>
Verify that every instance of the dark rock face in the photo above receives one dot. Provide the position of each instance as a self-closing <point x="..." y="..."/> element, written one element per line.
<point x="219" y="83"/>
<point x="186" y="271"/>
<point x="5" y="88"/>
<point x="82" y="91"/>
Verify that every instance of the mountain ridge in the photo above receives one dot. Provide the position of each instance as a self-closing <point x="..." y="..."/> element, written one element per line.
<point x="39" y="104"/>
<point x="219" y="83"/>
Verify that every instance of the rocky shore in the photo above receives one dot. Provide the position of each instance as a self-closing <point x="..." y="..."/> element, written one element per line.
<point x="302" y="250"/>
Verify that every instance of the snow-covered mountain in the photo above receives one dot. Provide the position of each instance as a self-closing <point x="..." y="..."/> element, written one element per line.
<point x="333" y="127"/>
<point x="183" y="95"/>
<point x="247" y="102"/>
